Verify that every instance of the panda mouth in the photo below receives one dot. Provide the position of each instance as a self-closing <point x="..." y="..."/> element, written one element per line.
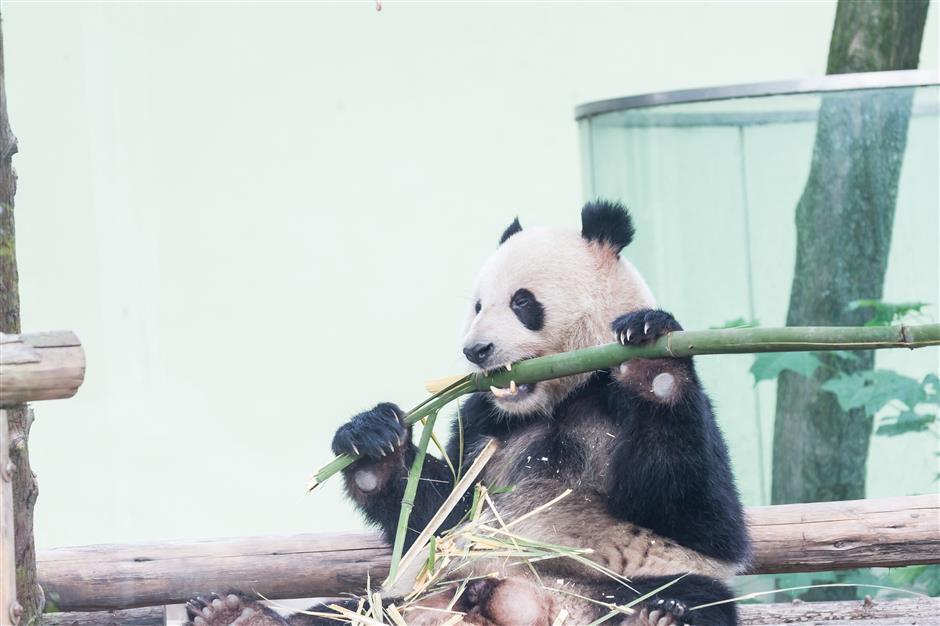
<point x="514" y="392"/>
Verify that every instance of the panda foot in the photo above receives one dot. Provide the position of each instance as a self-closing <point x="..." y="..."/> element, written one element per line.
<point x="663" y="613"/>
<point x="508" y="602"/>
<point x="487" y="602"/>
<point x="233" y="609"/>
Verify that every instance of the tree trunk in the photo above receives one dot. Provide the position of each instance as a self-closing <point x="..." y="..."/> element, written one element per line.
<point x="25" y="489"/>
<point x="844" y="220"/>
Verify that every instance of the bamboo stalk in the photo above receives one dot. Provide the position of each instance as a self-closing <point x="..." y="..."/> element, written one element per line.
<point x="408" y="501"/>
<point x="683" y="343"/>
<point x="459" y="489"/>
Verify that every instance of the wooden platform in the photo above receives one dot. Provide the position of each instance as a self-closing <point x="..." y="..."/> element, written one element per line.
<point x="913" y="612"/>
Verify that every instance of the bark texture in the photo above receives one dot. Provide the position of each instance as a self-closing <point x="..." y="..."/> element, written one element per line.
<point x="844" y="221"/>
<point x="25" y="488"/>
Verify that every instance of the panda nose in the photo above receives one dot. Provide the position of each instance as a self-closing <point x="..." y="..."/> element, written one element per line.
<point x="478" y="353"/>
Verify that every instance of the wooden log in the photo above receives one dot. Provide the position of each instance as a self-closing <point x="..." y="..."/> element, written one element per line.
<point x="148" y="616"/>
<point x="40" y="366"/>
<point x="10" y="610"/>
<point x="797" y="537"/>
<point x="917" y="611"/>
<point x="821" y="536"/>
<point x="297" y="566"/>
<point x="920" y="611"/>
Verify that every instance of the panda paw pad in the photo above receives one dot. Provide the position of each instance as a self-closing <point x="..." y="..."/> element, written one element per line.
<point x="644" y="326"/>
<point x="214" y="610"/>
<point x="230" y="610"/>
<point x="662" y="612"/>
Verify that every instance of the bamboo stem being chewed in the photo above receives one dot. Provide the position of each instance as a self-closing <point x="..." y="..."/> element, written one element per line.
<point x="683" y="343"/>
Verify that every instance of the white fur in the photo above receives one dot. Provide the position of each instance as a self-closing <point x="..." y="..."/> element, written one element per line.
<point x="582" y="285"/>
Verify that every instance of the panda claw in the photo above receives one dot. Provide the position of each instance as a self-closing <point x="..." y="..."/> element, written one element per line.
<point x="646" y="328"/>
<point x="628" y="333"/>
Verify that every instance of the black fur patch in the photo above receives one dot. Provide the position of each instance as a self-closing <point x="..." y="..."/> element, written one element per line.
<point x="528" y="309"/>
<point x="511" y="230"/>
<point x="607" y="222"/>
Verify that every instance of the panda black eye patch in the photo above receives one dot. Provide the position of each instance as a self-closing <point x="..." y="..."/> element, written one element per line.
<point x="529" y="310"/>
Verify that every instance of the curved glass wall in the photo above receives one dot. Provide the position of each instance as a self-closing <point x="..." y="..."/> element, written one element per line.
<point x="713" y="178"/>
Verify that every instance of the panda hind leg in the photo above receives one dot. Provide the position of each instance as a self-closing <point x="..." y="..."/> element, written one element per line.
<point x="232" y="609"/>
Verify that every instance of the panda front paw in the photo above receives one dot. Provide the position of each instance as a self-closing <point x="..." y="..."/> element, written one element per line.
<point x="644" y="326"/>
<point x="374" y="434"/>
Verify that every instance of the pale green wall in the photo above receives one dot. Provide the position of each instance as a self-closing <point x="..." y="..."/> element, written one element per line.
<point x="263" y="218"/>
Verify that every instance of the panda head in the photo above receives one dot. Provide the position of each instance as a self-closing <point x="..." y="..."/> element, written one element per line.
<point x="546" y="291"/>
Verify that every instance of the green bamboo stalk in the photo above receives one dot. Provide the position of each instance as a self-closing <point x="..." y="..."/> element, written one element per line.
<point x="408" y="501"/>
<point x="687" y="343"/>
<point x="684" y="343"/>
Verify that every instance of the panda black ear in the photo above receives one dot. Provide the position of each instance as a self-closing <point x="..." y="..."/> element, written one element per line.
<point x="511" y="230"/>
<point x="608" y="223"/>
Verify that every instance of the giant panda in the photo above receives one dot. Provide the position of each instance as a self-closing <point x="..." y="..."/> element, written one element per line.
<point x="653" y="493"/>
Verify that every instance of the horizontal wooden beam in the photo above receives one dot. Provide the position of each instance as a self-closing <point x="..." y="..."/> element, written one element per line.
<point x="913" y="611"/>
<point x="798" y="537"/>
<point x="40" y="366"/>
<point x="886" y="532"/>
<point x="920" y="611"/>
<point x="148" y="616"/>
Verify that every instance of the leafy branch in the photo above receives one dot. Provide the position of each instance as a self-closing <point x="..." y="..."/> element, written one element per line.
<point x="916" y="401"/>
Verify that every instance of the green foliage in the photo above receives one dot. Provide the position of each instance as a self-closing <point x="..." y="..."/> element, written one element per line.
<point x="738" y="322"/>
<point x="887" y="313"/>
<point x="870" y="390"/>
<point x="917" y="578"/>
<point x="924" y="578"/>
<point x="768" y="366"/>
<point x="874" y="390"/>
